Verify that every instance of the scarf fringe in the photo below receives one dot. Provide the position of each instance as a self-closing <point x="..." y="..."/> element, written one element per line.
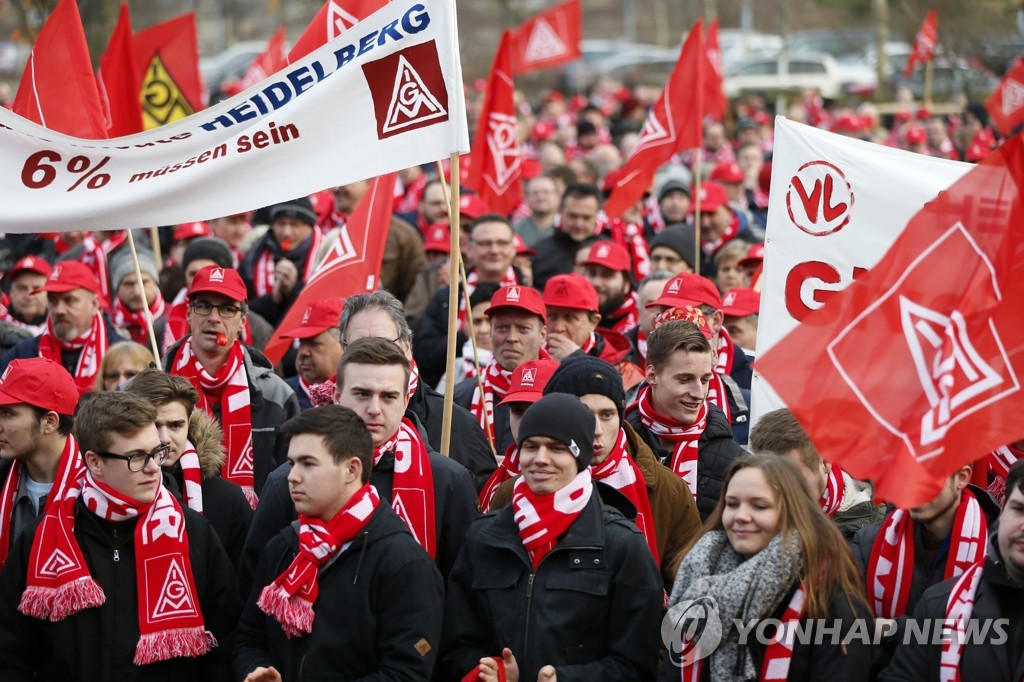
<point x="57" y="603"/>
<point x="250" y="496"/>
<point x="177" y="643"/>
<point x="295" y="614"/>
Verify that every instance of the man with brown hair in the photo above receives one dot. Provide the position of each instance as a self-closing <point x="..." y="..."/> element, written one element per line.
<point x="674" y="417"/>
<point x="844" y="499"/>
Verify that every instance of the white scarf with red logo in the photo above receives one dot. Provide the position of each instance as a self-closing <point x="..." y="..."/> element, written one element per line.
<point x="507" y="469"/>
<point x="959" y="607"/>
<point x="93" y="345"/>
<point x="290" y="598"/>
<point x="229" y="388"/>
<point x="620" y="472"/>
<point x="412" y="488"/>
<point x="59" y="583"/>
<point x="891" y="567"/>
<point x="69" y="470"/>
<point x="542" y="519"/>
<point x="686" y="437"/>
<point x="835" y="491"/>
<point x="192" y="475"/>
<point x="134" y="322"/>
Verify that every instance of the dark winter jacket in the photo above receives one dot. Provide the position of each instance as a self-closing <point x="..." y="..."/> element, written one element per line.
<point x="377" y="617"/>
<point x="556" y="255"/>
<point x="29" y="348"/>
<point x="273" y="403"/>
<point x="502" y="427"/>
<point x="98" y="644"/>
<point x="716" y="450"/>
<point x="592" y="609"/>
<point x="304" y="402"/>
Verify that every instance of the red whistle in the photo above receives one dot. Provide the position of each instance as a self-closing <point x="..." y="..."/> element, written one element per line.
<point x="221" y="339"/>
<point x="286" y="244"/>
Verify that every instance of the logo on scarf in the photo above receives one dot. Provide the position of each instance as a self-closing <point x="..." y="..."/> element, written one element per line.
<point x="414" y="100"/>
<point x="164" y="520"/>
<point x="175" y="597"/>
<point x="58" y="563"/>
<point x="691" y="630"/>
<point x="544" y="43"/>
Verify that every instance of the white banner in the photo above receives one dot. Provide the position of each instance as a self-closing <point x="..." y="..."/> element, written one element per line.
<point x="385" y="95"/>
<point x="837" y="205"/>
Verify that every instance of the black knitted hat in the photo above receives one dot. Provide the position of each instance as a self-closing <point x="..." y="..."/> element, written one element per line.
<point x="580" y="375"/>
<point x="563" y="418"/>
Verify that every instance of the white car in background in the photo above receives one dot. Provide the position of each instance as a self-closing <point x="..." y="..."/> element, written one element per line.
<point x="783" y="73"/>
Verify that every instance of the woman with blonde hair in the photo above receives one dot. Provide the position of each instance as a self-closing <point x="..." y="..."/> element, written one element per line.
<point x="785" y="588"/>
<point x="122" y="362"/>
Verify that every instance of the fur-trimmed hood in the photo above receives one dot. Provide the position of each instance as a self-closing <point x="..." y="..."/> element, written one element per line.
<point x="206" y="435"/>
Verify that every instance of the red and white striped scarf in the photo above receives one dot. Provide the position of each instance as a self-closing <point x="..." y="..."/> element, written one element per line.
<point x="626" y="316"/>
<point x="263" y="269"/>
<point x="94" y="256"/>
<point x="472" y="280"/>
<point x="7" y="315"/>
<point x="641" y="344"/>
<point x="1000" y="460"/>
<point x="726" y="352"/>
<point x="134" y="322"/>
<point x="542" y="519"/>
<point x="414" y="378"/>
<point x="290" y="598"/>
<point x="507" y="469"/>
<point x="711" y="247"/>
<point x="496" y="383"/>
<point x="835" y="490"/>
<point x="686" y="437"/>
<point x="59" y="583"/>
<point x="620" y="472"/>
<point x="229" y="388"/>
<point x="69" y="470"/>
<point x="93" y="344"/>
<point x="718" y="394"/>
<point x="412" y="488"/>
<point x="959" y="607"/>
<point x="779" y="652"/>
<point x="192" y="475"/>
<point x="891" y="567"/>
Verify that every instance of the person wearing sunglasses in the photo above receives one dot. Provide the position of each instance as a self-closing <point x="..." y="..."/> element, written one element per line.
<point x="119" y="567"/>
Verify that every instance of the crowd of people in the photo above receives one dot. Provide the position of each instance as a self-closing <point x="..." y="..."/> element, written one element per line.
<point x="173" y="505"/>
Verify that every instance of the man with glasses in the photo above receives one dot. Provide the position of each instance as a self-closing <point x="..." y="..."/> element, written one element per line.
<point x="237" y="387"/>
<point x="118" y="581"/>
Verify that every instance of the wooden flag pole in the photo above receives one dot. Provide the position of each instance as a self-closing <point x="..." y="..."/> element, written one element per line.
<point x="154" y="238"/>
<point x="453" y="304"/>
<point x="929" y="69"/>
<point x="145" y="301"/>
<point x="698" y="169"/>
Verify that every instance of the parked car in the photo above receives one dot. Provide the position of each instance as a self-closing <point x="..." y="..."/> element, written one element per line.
<point x="784" y="73"/>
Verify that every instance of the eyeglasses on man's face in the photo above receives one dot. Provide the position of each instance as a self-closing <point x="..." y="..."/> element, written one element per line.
<point x="226" y="310"/>
<point x="139" y="460"/>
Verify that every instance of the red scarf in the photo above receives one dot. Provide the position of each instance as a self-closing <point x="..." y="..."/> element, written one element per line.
<point x="496" y="382"/>
<point x="1000" y="461"/>
<point x="958" y="612"/>
<point x="891" y="567"/>
<point x="134" y="322"/>
<point x="718" y="395"/>
<point x="59" y="583"/>
<point x="641" y="345"/>
<point x="835" y="490"/>
<point x="94" y="256"/>
<point x="686" y="437"/>
<point x="93" y="344"/>
<point x="263" y="268"/>
<point x="620" y="472"/>
<point x="626" y="316"/>
<point x="711" y="247"/>
<point x="779" y="653"/>
<point x="192" y="474"/>
<point x="290" y="598"/>
<point x="412" y="489"/>
<point x="69" y="469"/>
<point x="726" y="352"/>
<point x="230" y="389"/>
<point x="543" y="519"/>
<point x="472" y="280"/>
<point x="414" y="378"/>
<point x="508" y="469"/>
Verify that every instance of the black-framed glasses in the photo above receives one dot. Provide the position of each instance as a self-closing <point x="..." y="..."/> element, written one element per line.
<point x="138" y="462"/>
<point x="226" y="310"/>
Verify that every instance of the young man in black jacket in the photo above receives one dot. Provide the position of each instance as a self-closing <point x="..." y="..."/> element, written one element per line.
<point x="345" y="592"/>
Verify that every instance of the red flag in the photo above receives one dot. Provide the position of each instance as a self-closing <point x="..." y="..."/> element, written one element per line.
<point x="119" y="80"/>
<point x="351" y="265"/>
<point x="1006" y="103"/>
<point x="548" y="39"/>
<point x="58" y="88"/>
<point x="715" y="102"/>
<point x="268" y="61"/>
<point x="496" y="165"/>
<point x="167" y="56"/>
<point x="673" y="124"/>
<point x="333" y="19"/>
<point x="924" y="44"/>
<point x="915" y="369"/>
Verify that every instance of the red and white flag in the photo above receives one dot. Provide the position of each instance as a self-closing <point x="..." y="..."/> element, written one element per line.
<point x="547" y="39"/>
<point x="715" y="101"/>
<point x="496" y="166"/>
<point x="333" y="19"/>
<point x="924" y="44"/>
<point x="58" y="88"/>
<point x="118" y="80"/>
<point x="352" y="263"/>
<point x="1006" y="103"/>
<point x="268" y="61"/>
<point x="905" y="376"/>
<point x="673" y="124"/>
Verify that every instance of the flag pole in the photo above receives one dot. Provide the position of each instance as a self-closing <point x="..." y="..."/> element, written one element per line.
<point x="145" y="301"/>
<point x="928" y="71"/>
<point x="455" y="258"/>
<point x="698" y="167"/>
<point x="154" y="238"/>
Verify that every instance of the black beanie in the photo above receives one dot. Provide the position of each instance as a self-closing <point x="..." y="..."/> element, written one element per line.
<point x="580" y="375"/>
<point x="565" y="419"/>
<point x="679" y="238"/>
<point x="208" y="248"/>
<point x="299" y="209"/>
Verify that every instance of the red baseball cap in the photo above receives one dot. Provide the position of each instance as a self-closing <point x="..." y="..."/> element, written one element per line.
<point x="40" y="382"/>
<point x="521" y="248"/>
<point x="31" y="264"/>
<point x="437" y="237"/>
<point x="688" y="289"/>
<point x="728" y="172"/>
<point x="710" y="198"/>
<point x="740" y="302"/>
<point x="518" y="297"/>
<point x="610" y="255"/>
<point x="542" y="130"/>
<point x="217" y="280"/>
<point x="914" y="135"/>
<point x="529" y="380"/>
<point x="570" y="291"/>
<point x="191" y="231"/>
<point x="472" y="206"/>
<point x="686" y="314"/>
<point x="754" y="257"/>
<point x="69" y="275"/>
<point x="318" y="318"/>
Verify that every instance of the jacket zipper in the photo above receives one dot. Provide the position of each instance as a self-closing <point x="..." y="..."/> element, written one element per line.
<point x="529" y="603"/>
<point x="117" y="552"/>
